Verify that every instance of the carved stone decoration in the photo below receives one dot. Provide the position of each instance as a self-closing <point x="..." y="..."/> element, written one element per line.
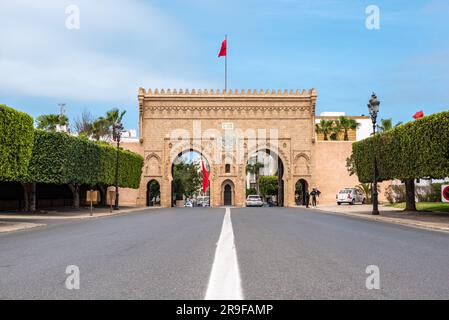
<point x="153" y="165"/>
<point x="302" y="166"/>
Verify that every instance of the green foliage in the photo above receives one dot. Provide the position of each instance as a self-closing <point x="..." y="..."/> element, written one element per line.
<point x="50" y="122"/>
<point x="418" y="149"/>
<point x="49" y="160"/>
<point x="155" y="188"/>
<point x="16" y="143"/>
<point x="61" y="159"/>
<point x="387" y="124"/>
<point x="251" y="191"/>
<point x="366" y="189"/>
<point x="186" y="179"/>
<point x="102" y="128"/>
<point x="130" y="169"/>
<point x="268" y="185"/>
<point x="325" y="127"/>
<point x="345" y="124"/>
<point x="254" y="168"/>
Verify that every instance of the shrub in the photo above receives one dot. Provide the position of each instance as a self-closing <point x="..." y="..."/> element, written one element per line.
<point x="251" y="191"/>
<point x="418" y="149"/>
<point x="61" y="159"/>
<point x="395" y="193"/>
<point x="268" y="185"/>
<point x="16" y="143"/>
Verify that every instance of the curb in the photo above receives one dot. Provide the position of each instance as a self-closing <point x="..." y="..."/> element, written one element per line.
<point x="77" y="217"/>
<point x="416" y="225"/>
<point x="19" y="226"/>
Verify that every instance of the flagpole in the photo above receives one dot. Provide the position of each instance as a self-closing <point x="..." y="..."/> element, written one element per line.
<point x="226" y="64"/>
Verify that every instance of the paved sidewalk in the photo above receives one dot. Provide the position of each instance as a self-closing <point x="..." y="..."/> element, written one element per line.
<point x="438" y="221"/>
<point x="69" y="213"/>
<point x="17" y="226"/>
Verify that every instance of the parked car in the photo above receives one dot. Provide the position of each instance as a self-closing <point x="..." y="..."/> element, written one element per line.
<point x="203" y="201"/>
<point x="188" y="204"/>
<point x="254" y="201"/>
<point x="350" y="196"/>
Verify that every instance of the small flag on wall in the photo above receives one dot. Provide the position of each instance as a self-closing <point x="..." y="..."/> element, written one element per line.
<point x="418" y="115"/>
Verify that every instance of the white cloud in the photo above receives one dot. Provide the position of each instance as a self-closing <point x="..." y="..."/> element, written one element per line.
<point x="118" y="48"/>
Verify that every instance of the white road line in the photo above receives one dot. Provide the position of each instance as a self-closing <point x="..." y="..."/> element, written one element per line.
<point x="224" y="281"/>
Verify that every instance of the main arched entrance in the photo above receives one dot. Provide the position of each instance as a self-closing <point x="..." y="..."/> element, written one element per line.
<point x="301" y="188"/>
<point x="265" y="171"/>
<point x="153" y="193"/>
<point x="186" y="188"/>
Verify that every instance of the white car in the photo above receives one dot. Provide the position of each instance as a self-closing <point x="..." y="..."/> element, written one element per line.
<point x="254" y="201"/>
<point x="188" y="204"/>
<point x="350" y="196"/>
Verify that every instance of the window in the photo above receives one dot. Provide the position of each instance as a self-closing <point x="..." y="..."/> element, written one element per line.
<point x="227" y="168"/>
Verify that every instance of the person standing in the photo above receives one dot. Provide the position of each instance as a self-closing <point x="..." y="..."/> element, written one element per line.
<point x="306" y="199"/>
<point x="315" y="193"/>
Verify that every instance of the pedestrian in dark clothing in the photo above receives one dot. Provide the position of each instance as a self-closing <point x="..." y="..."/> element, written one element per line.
<point x="307" y="199"/>
<point x="315" y="193"/>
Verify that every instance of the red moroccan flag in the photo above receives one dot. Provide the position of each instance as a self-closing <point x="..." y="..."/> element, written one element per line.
<point x="205" y="177"/>
<point x="419" y="114"/>
<point x="223" y="50"/>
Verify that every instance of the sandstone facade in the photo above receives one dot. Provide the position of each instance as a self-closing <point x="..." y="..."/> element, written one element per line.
<point x="227" y="128"/>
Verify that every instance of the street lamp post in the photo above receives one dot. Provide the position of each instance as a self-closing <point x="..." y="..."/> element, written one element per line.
<point x="373" y="108"/>
<point x="117" y="129"/>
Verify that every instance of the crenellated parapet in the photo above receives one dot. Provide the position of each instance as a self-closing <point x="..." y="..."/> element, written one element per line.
<point x="228" y="93"/>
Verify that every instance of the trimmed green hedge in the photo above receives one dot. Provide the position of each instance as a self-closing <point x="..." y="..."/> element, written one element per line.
<point x="16" y="143"/>
<point x="58" y="158"/>
<point x="418" y="149"/>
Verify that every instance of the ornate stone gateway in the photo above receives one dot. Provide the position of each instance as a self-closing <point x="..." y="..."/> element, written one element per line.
<point x="227" y="128"/>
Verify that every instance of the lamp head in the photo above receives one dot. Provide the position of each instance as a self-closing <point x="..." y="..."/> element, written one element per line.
<point x="373" y="105"/>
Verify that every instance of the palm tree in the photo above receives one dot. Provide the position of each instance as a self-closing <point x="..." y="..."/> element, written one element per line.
<point x="102" y="128"/>
<point x="254" y="168"/>
<point x="387" y="124"/>
<point x="325" y="127"/>
<point x="114" y="116"/>
<point x="366" y="189"/>
<point x="347" y="124"/>
<point x="50" y="122"/>
<point x="335" y="131"/>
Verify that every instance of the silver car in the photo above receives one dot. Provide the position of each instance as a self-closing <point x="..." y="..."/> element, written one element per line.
<point x="254" y="201"/>
<point x="350" y="196"/>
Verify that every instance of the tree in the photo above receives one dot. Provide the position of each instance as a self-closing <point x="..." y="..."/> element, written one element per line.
<point x="335" y="130"/>
<point x="102" y="128"/>
<point x="51" y="122"/>
<point x="366" y="189"/>
<point x="347" y="124"/>
<point x="16" y="143"/>
<point x="254" y="168"/>
<point x="418" y="149"/>
<point x="251" y="191"/>
<point x="387" y="124"/>
<point x="186" y="179"/>
<point x="325" y="127"/>
<point x="269" y="186"/>
<point x="83" y="125"/>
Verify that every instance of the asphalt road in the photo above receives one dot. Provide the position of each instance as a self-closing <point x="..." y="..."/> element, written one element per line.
<point x="282" y="253"/>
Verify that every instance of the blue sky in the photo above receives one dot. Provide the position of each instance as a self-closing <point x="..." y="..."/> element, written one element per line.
<point x="283" y="44"/>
